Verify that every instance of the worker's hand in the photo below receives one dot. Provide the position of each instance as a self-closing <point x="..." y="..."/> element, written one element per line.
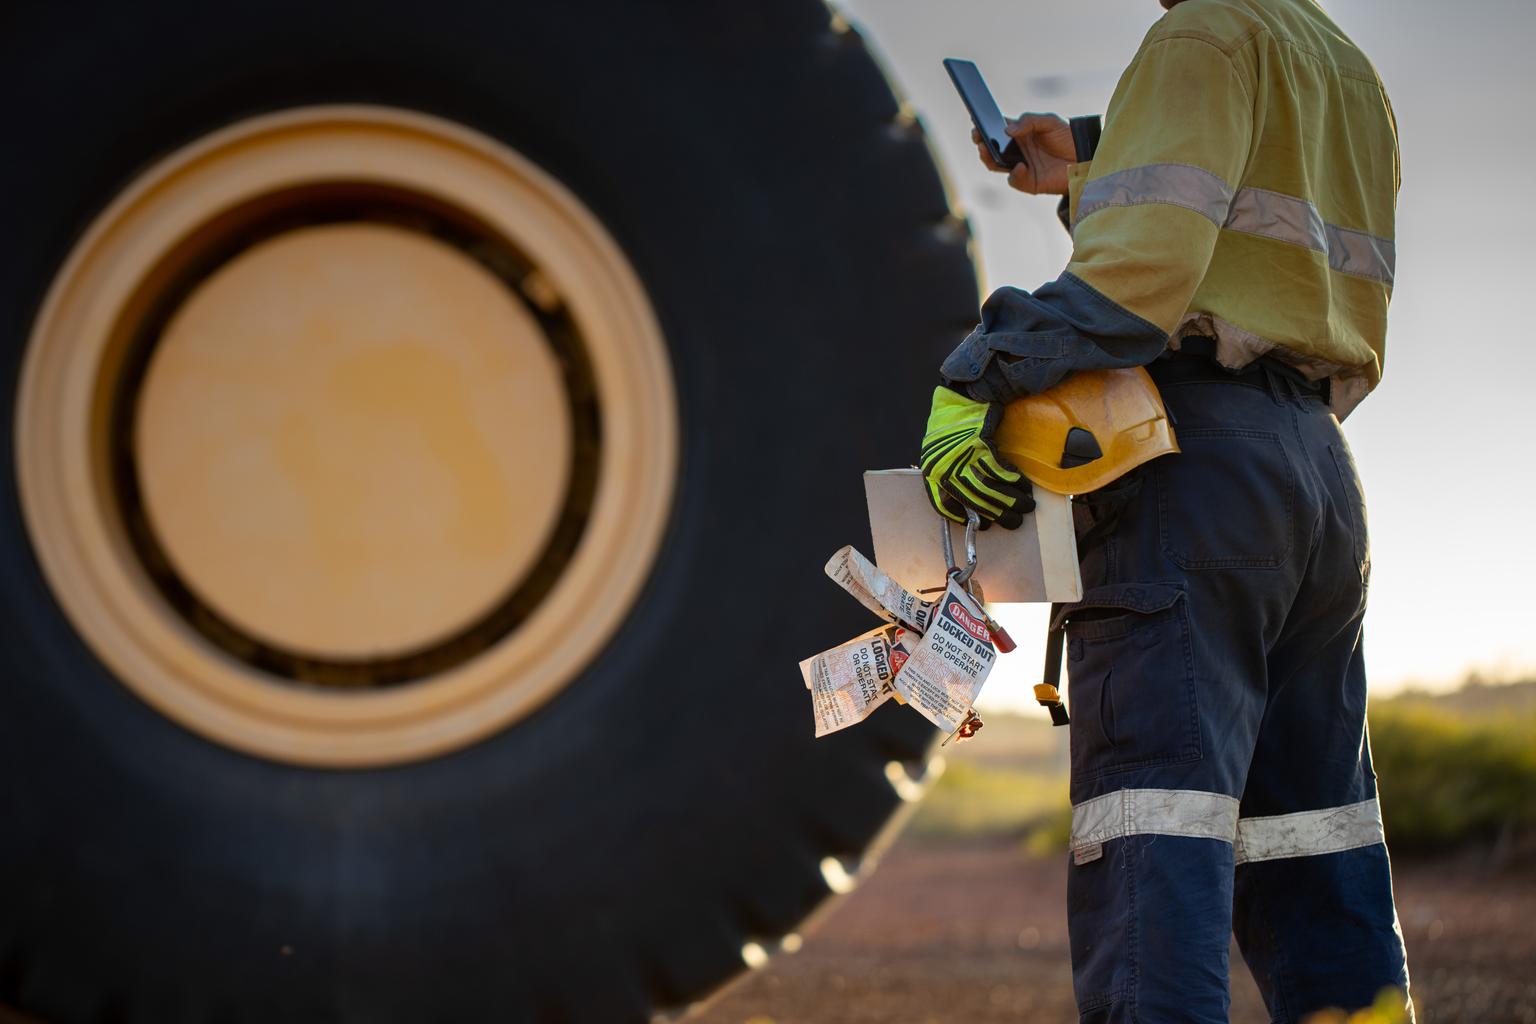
<point x="963" y="470"/>
<point x="1046" y="142"/>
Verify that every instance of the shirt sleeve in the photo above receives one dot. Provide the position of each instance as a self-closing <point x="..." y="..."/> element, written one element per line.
<point x="1145" y="216"/>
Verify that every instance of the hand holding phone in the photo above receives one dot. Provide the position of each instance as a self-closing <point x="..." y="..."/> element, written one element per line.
<point x="989" y="121"/>
<point x="1035" y="150"/>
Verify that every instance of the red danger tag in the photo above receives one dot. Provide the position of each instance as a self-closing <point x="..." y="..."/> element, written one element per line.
<point x="968" y="622"/>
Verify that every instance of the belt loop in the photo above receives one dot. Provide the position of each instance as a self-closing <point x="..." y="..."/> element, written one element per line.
<point x="1269" y="380"/>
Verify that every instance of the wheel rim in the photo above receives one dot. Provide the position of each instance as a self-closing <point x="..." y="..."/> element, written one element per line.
<point x="346" y="436"/>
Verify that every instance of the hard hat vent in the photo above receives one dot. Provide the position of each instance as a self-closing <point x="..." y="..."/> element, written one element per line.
<point x="1081" y="448"/>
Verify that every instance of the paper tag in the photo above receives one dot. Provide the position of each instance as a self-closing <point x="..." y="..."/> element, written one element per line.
<point x="851" y="680"/>
<point x="1087" y="854"/>
<point x="877" y="591"/>
<point x="947" y="667"/>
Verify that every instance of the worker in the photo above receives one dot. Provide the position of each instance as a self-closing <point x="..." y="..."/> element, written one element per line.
<point x="1233" y="233"/>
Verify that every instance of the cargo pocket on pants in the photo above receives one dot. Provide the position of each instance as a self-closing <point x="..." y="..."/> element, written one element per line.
<point x="1131" y="679"/>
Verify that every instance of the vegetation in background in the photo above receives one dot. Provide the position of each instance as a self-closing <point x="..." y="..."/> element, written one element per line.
<point x="1010" y="782"/>
<point x="978" y="801"/>
<point x="1455" y="769"/>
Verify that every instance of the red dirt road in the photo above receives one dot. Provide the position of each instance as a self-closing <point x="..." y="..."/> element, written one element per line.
<point x="976" y="933"/>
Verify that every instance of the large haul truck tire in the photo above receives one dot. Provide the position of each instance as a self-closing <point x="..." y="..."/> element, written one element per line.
<point x="428" y="422"/>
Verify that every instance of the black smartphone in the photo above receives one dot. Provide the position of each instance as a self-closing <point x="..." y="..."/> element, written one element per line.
<point x="984" y="113"/>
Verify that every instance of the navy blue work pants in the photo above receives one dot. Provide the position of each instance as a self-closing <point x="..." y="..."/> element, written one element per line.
<point x="1221" y="773"/>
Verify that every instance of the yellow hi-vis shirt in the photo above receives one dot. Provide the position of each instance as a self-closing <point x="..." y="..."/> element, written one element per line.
<point x="1244" y="189"/>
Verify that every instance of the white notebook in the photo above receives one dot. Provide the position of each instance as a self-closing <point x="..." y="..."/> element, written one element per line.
<point x="1036" y="562"/>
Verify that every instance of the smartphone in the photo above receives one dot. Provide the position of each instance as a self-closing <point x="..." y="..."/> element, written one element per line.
<point x="984" y="113"/>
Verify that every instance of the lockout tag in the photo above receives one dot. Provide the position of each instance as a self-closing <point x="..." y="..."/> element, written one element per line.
<point x="948" y="665"/>
<point x="852" y="679"/>
<point x="877" y="591"/>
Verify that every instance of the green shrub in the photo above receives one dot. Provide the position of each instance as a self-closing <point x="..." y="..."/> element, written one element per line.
<point x="1446" y="779"/>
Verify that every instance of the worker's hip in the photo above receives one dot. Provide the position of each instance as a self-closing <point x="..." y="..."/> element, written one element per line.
<point x="1262" y="475"/>
<point x="1262" y="491"/>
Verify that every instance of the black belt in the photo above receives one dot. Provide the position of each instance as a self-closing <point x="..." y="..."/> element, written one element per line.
<point x="1195" y="360"/>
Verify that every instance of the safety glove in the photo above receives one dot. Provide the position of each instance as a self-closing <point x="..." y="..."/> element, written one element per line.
<point x="962" y="468"/>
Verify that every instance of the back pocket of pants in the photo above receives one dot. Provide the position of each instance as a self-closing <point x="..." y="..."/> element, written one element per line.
<point x="1226" y="500"/>
<point x="1130" y="678"/>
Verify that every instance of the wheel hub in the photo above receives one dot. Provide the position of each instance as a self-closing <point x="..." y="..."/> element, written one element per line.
<point x="350" y="439"/>
<point x="346" y="397"/>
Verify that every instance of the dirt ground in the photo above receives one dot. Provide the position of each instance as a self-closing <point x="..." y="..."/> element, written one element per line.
<point x="975" y="932"/>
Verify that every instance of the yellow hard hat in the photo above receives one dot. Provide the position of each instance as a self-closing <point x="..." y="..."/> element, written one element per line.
<point x="1090" y="429"/>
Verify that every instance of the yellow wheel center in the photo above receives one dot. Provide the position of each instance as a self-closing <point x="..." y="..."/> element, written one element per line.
<point x="346" y="436"/>
<point x="352" y="441"/>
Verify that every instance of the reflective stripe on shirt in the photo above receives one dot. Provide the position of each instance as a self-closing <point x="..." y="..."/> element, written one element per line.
<point x="1309" y="833"/>
<point x="1253" y="211"/>
<point x="1193" y="188"/>
<point x="1257" y="211"/>
<point x="1355" y="252"/>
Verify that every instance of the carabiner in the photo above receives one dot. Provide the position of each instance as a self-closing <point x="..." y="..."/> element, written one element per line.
<point x="972" y="523"/>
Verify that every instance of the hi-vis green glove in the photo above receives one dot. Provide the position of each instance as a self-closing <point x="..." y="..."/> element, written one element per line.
<point x="961" y="467"/>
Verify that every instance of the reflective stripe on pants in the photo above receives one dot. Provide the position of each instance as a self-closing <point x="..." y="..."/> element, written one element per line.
<point x="1162" y="812"/>
<point x="1194" y="814"/>
<point x="1309" y="833"/>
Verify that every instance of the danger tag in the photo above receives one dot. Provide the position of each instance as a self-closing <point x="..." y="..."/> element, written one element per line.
<point x="851" y="680"/>
<point x="949" y="664"/>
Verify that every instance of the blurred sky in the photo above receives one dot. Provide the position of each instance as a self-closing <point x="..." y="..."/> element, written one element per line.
<point x="1445" y="443"/>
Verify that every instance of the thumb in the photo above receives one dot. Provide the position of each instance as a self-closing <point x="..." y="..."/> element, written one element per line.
<point x="1032" y="124"/>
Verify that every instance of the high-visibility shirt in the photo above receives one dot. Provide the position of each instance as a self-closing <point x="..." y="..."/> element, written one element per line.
<point x="1244" y="189"/>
